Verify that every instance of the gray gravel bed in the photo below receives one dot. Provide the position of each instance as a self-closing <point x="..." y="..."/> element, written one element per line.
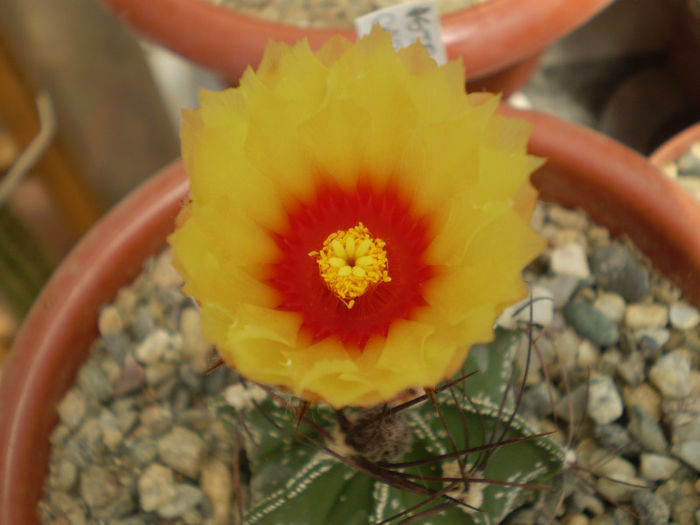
<point x="137" y="443"/>
<point x="618" y="360"/>
<point x="323" y="13"/>
<point x="619" y="345"/>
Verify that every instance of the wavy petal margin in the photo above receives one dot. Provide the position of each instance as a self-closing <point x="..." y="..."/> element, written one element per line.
<point x="346" y="115"/>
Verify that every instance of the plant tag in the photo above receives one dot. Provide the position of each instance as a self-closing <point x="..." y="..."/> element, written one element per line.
<point x="407" y="23"/>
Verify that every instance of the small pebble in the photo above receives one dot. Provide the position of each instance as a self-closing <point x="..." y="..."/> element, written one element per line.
<point x="651" y="509"/>
<point x="617" y="270"/>
<point x="131" y="378"/>
<point x="647" y="431"/>
<point x="182" y="450"/>
<point x="603" y="519"/>
<point x="683" y="316"/>
<point x="657" y="467"/>
<point x="587" y="355"/>
<point x="689" y="163"/>
<point x="604" y="403"/>
<point x="164" y="275"/>
<point x="651" y="315"/>
<point x="567" y="218"/>
<point x="591" y="323"/>
<point x="190" y="377"/>
<point x="614" y="436"/>
<point x="687" y="430"/>
<point x="63" y="475"/>
<point x="612" y="305"/>
<point x="150" y="350"/>
<point x="569" y="259"/>
<point x="97" y="486"/>
<point x="185" y="498"/>
<point x="631" y="369"/>
<point x="610" y="361"/>
<point x="562" y="288"/>
<point x="109" y="321"/>
<point x="93" y="382"/>
<point x="671" y="375"/>
<point x="646" y="397"/>
<point x="72" y="408"/>
<point x="689" y="451"/>
<point x="86" y="444"/>
<point x="143" y="452"/>
<point x="650" y="341"/>
<point x="682" y="498"/>
<point x="158" y="372"/>
<point x="572" y="406"/>
<point x="576" y="519"/>
<point x="157" y="419"/>
<point x="111" y="435"/>
<point x="618" y="486"/>
<point x="217" y="484"/>
<point x="156" y="486"/>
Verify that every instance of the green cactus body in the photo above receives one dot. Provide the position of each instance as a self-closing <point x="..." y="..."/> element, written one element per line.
<point x="294" y="481"/>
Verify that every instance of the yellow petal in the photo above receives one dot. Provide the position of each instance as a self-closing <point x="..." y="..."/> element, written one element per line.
<point x="351" y="112"/>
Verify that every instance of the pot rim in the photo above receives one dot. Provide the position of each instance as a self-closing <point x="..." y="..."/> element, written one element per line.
<point x="489" y="36"/>
<point x="676" y="145"/>
<point x="618" y="187"/>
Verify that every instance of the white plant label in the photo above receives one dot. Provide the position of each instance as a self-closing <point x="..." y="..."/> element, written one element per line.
<point x="407" y="23"/>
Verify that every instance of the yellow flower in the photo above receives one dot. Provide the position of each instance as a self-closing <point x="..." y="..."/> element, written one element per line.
<point x="357" y="221"/>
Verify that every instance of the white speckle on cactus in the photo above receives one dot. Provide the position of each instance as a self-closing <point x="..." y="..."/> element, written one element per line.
<point x="381" y="496"/>
<point x="474" y="495"/>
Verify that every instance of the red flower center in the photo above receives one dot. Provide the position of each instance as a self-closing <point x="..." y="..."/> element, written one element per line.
<point x="296" y="276"/>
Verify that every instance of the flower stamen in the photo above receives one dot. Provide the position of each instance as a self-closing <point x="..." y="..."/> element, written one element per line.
<point x="351" y="262"/>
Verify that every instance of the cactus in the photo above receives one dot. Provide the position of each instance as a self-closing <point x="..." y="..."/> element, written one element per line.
<point x="303" y="471"/>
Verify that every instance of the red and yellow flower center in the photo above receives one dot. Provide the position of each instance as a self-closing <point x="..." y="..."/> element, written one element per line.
<point x="351" y="262"/>
<point x="364" y="275"/>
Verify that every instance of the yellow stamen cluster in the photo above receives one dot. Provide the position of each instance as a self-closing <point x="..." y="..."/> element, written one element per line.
<point x="351" y="261"/>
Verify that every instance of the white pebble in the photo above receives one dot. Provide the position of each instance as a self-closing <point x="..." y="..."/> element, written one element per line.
<point x="164" y="275"/>
<point x="683" y="316"/>
<point x="651" y="315"/>
<point x="567" y="218"/>
<point x="689" y="451"/>
<point x="242" y="397"/>
<point x="156" y="486"/>
<point x="671" y="374"/>
<point x="588" y="354"/>
<point x="109" y="322"/>
<point x="657" y="467"/>
<point x="182" y="450"/>
<point x="605" y="403"/>
<point x="151" y="348"/>
<point x="217" y="484"/>
<point x="72" y="408"/>
<point x="612" y="305"/>
<point x="570" y="259"/>
<point x="540" y="304"/>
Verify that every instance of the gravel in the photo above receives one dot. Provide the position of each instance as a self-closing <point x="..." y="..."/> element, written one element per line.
<point x="137" y="444"/>
<point x="133" y="446"/>
<point x="323" y="13"/>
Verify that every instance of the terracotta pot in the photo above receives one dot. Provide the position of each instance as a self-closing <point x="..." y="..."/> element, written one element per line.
<point x="675" y="146"/>
<point x="494" y="37"/>
<point x="618" y="187"/>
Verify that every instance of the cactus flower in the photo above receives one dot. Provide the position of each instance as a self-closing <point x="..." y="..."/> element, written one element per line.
<point x="356" y="220"/>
